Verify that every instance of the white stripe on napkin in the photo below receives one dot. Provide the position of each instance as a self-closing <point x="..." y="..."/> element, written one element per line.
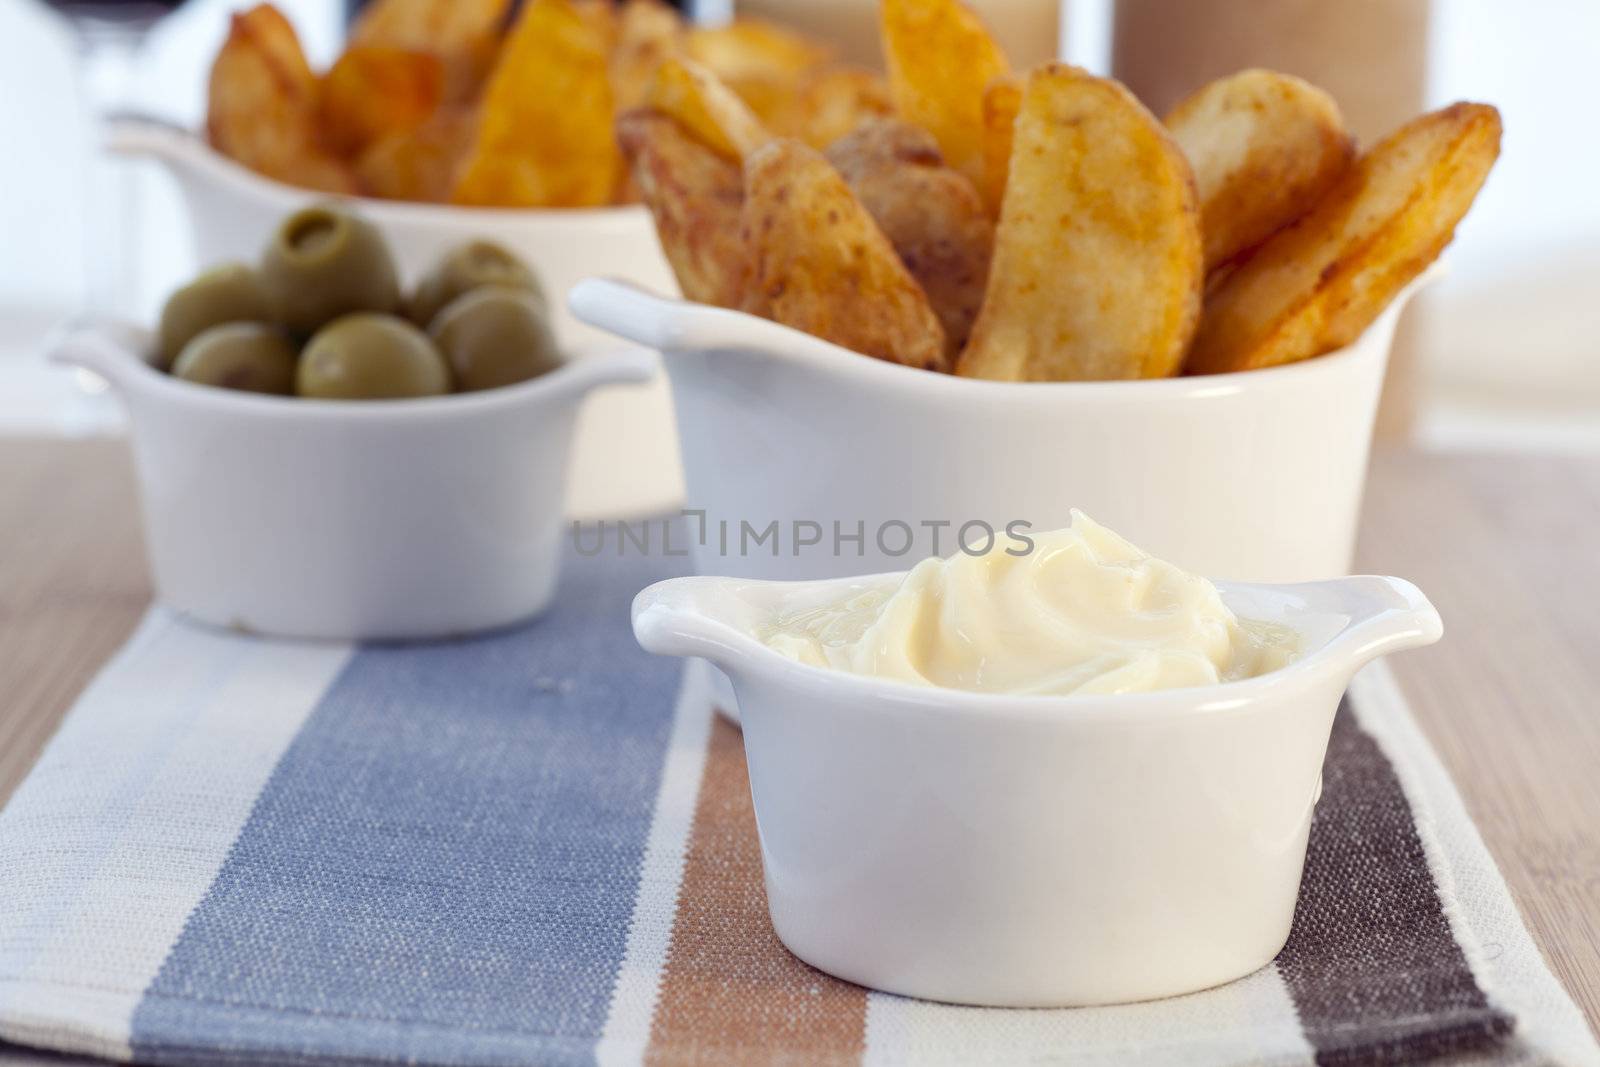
<point x="1248" y="1021"/>
<point x="638" y="985"/>
<point x="183" y="719"/>
<point x="1504" y="960"/>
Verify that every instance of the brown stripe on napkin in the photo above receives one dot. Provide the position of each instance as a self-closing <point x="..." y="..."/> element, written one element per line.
<point x="731" y="993"/>
<point x="1375" y="972"/>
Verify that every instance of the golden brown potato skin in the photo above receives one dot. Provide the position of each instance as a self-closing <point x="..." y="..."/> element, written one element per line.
<point x="418" y="164"/>
<point x="830" y="102"/>
<point x="1097" y="267"/>
<point x="1317" y="285"/>
<point x="705" y="106"/>
<point x="695" y="195"/>
<point x="263" y="104"/>
<point x="932" y="215"/>
<point x="1001" y="102"/>
<point x="648" y="32"/>
<point x="372" y="92"/>
<point x="544" y="133"/>
<point x="940" y="58"/>
<point x="462" y="34"/>
<point x="821" y="264"/>
<point x="1264" y="147"/>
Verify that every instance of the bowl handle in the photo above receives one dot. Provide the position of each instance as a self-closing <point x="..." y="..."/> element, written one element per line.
<point x="132" y="133"/>
<point x="109" y="349"/>
<point x="676" y="618"/>
<point x="1386" y="615"/>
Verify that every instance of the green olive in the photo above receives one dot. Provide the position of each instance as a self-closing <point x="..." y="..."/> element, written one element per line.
<point x="465" y="268"/>
<point x="230" y="292"/>
<point x="239" y="355"/>
<point x="323" y="263"/>
<point x="367" y="356"/>
<point x="495" y="335"/>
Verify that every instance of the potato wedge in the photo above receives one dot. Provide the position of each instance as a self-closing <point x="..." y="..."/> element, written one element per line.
<point x="1096" y="271"/>
<point x="832" y="101"/>
<point x="262" y="105"/>
<point x="1264" y="147"/>
<point x="763" y="63"/>
<point x="463" y="34"/>
<point x="437" y="26"/>
<point x="695" y="196"/>
<point x="706" y="107"/>
<point x="648" y="31"/>
<point x="544" y="135"/>
<point x="1001" y="102"/>
<point x="372" y="92"/>
<point x="940" y="59"/>
<point x="418" y="164"/>
<point x="822" y="265"/>
<point x="748" y="47"/>
<point x="932" y="215"/>
<point x="1317" y="285"/>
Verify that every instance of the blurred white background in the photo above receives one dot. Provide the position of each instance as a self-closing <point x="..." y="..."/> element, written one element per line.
<point x="1511" y="344"/>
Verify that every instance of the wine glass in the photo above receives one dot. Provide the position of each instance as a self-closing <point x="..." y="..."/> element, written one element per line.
<point x="109" y="35"/>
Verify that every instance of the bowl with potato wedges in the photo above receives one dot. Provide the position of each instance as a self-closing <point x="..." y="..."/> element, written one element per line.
<point x="448" y="120"/>
<point x="1021" y="293"/>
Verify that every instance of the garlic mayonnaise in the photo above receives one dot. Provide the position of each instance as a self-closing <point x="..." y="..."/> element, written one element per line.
<point x="1083" y="612"/>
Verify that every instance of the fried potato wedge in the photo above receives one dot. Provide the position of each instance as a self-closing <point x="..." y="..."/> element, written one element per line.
<point x="763" y="63"/>
<point x="931" y="214"/>
<point x="695" y="196"/>
<point x="437" y="26"/>
<point x="372" y="92"/>
<point x="648" y="32"/>
<point x="940" y="59"/>
<point x="1097" y="269"/>
<point x="1317" y="285"/>
<point x="1264" y="147"/>
<point x="1001" y="102"/>
<point x="747" y="47"/>
<point x="463" y="34"/>
<point x="262" y="107"/>
<point x="822" y="265"/>
<point x="832" y="101"/>
<point x="706" y="107"/>
<point x="418" y="164"/>
<point x="544" y="133"/>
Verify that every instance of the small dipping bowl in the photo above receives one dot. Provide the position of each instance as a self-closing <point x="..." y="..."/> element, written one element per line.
<point x="1033" y="851"/>
<point x="350" y="519"/>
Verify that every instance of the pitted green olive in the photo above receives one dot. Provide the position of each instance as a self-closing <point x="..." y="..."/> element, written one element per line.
<point x="466" y="268"/>
<point x="495" y="335"/>
<point x="230" y="292"/>
<point x="323" y="263"/>
<point x="367" y="356"/>
<point x="239" y="355"/>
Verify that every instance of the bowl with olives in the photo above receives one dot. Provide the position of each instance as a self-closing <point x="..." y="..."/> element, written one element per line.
<point x="626" y="451"/>
<point x="324" y="452"/>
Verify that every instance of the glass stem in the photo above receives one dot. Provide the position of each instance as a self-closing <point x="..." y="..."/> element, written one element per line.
<point x="109" y="53"/>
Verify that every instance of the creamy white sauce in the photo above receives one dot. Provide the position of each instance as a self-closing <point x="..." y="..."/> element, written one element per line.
<point x="1084" y="612"/>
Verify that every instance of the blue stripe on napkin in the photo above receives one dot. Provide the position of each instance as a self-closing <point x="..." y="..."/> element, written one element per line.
<point x="444" y="863"/>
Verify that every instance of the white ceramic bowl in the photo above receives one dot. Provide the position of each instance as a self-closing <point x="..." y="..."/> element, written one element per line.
<point x="625" y="460"/>
<point x="351" y="519"/>
<point x="1254" y="476"/>
<point x="1034" y="851"/>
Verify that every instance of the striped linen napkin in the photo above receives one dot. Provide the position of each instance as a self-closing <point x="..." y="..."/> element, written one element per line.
<point x="535" y="847"/>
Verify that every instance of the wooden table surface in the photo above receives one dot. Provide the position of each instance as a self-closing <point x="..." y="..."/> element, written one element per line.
<point x="1503" y="544"/>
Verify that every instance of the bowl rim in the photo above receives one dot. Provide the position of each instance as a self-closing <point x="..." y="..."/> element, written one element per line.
<point x="678" y="326"/>
<point x="223" y="169"/>
<point x="892" y="696"/>
<point x="579" y="370"/>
